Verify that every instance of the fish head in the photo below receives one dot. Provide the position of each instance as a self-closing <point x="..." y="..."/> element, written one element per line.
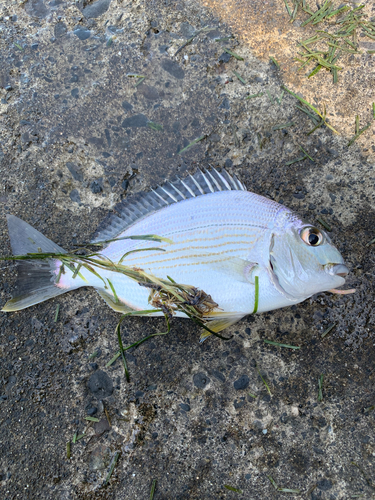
<point x="304" y="261"/>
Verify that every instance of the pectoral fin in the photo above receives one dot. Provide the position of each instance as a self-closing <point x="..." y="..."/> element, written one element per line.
<point x="239" y="269"/>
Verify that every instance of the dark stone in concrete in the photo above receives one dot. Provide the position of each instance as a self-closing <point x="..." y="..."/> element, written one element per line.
<point x="150" y="93"/>
<point x="96" y="187"/>
<point x="126" y="105"/>
<point x="241" y="383"/>
<point x="135" y="121"/>
<point x="100" y="384"/>
<point x="36" y="8"/>
<point x="239" y="404"/>
<point x="101" y="426"/>
<point x="82" y="33"/>
<point x="324" y="484"/>
<point x="186" y="30"/>
<point x="96" y="9"/>
<point x="173" y="68"/>
<point x="74" y="196"/>
<point x="75" y="171"/>
<point x="225" y="57"/>
<point x="225" y="104"/>
<point x="91" y="411"/>
<point x="185" y="407"/>
<point x="200" y="380"/>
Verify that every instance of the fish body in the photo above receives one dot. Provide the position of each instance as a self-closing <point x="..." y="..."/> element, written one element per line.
<point x="222" y="238"/>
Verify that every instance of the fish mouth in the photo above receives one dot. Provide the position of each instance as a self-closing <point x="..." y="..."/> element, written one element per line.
<point x="336" y="270"/>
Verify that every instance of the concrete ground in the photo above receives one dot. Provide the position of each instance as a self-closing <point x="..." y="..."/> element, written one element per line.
<point x="77" y="135"/>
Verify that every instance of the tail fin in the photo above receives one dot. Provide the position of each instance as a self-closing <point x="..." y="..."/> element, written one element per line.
<point x="36" y="279"/>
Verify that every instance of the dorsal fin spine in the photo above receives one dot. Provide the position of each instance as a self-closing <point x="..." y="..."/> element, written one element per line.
<point x="223" y="180"/>
<point x="215" y="181"/>
<point x="168" y="194"/>
<point x="239" y="184"/>
<point x="158" y="195"/>
<point x="178" y="191"/>
<point x="207" y="182"/>
<point x="197" y="184"/>
<point x="188" y="188"/>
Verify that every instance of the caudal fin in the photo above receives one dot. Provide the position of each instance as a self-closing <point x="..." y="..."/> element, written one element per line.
<point x="36" y="279"/>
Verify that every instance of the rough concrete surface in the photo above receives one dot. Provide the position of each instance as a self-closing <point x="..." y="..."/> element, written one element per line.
<point x="77" y="136"/>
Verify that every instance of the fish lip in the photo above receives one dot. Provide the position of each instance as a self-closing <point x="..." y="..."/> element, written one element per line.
<point x="337" y="270"/>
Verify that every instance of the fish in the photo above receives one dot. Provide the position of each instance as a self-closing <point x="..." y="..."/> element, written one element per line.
<point x="247" y="252"/>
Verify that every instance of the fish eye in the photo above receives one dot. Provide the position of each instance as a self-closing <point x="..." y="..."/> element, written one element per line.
<point x="312" y="236"/>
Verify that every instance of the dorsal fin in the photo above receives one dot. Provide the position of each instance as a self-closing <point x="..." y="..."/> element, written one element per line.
<point x="136" y="207"/>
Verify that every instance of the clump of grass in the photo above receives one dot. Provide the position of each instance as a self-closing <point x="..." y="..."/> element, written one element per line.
<point x="340" y="36"/>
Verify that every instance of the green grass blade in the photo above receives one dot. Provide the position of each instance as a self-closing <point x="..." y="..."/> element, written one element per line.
<point x="275" y="62"/>
<point x="239" y="77"/>
<point x="191" y="144"/>
<point x="308" y="156"/>
<point x="324" y="224"/>
<point x="140" y="250"/>
<point x="254" y="95"/>
<point x="122" y="353"/>
<point x="256" y="296"/>
<point x="281" y="345"/>
<point x="301" y="158"/>
<point x="112" y="467"/>
<point x="283" y="125"/>
<point x="329" y="329"/>
<point x="264" y="382"/>
<point x="233" y="54"/>
<point x="230" y="488"/>
<point x="57" y="313"/>
<point x="113" y="291"/>
<point x="153" y="486"/>
<point x="154" y="126"/>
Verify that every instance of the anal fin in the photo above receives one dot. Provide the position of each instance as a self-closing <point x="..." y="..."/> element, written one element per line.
<point x="219" y="324"/>
<point x="116" y="306"/>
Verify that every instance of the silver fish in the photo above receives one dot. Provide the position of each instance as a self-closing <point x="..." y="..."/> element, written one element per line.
<point x="224" y="239"/>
